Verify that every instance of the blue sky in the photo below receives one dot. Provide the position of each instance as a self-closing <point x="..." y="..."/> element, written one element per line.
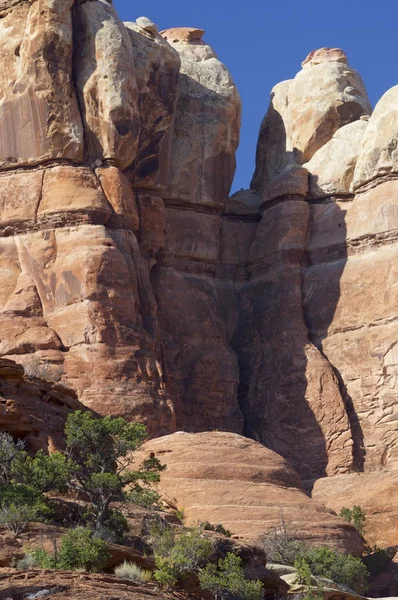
<point x="264" y="42"/>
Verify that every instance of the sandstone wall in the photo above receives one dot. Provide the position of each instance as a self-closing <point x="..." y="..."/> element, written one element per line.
<point x="129" y="276"/>
<point x="76" y="301"/>
<point x="328" y="287"/>
<point x="106" y="289"/>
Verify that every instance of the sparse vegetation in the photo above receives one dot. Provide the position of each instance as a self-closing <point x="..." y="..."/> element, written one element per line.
<point x="179" y="513"/>
<point x="177" y="556"/>
<point x="314" y="590"/>
<point x="282" y="545"/>
<point x="78" y="549"/>
<point x="356" y="516"/>
<point x="95" y="464"/>
<point x="99" y="458"/>
<point x="133" y="572"/>
<point x="227" y="580"/>
<point x="216" y="528"/>
<point x="145" y="497"/>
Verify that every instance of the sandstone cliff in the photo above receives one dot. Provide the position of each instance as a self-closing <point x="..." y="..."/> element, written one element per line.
<point x="130" y="277"/>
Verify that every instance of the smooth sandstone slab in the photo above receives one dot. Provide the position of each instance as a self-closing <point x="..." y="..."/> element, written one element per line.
<point x="226" y="478"/>
<point x="378" y="498"/>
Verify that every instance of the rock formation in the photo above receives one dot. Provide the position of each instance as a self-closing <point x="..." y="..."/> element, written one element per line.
<point x="32" y="408"/>
<point x="129" y="276"/>
<point x="226" y="478"/>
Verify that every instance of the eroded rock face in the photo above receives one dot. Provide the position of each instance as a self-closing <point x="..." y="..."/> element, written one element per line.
<point x="38" y="104"/>
<point x="33" y="408"/>
<point x="82" y="225"/>
<point x="130" y="276"/>
<point x="207" y="122"/>
<point x="305" y="113"/>
<point x="76" y="295"/>
<point x="323" y="265"/>
<point x="200" y="367"/>
<point x="225" y="478"/>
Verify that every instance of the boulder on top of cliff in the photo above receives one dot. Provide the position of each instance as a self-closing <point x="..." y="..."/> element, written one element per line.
<point x="322" y="98"/>
<point x="226" y="478"/>
<point x="331" y="169"/>
<point x="322" y="55"/>
<point x="304" y="114"/>
<point x="378" y="155"/>
<point x="207" y="116"/>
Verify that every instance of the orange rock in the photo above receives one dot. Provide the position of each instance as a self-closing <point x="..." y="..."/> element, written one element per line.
<point x="228" y="479"/>
<point x="325" y="55"/>
<point x="183" y="34"/>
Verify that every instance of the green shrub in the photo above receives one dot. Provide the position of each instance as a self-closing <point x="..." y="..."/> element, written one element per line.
<point x="179" y="513"/>
<point x="133" y="572"/>
<point x="228" y="582"/>
<point x="20" y="505"/>
<point x="78" y="549"/>
<point x="145" y="497"/>
<point x="179" y="556"/>
<point x="207" y="526"/>
<point x="16" y="517"/>
<point x="340" y="568"/>
<point x="356" y="516"/>
<point x="314" y="590"/>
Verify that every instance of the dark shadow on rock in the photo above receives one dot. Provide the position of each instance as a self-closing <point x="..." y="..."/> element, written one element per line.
<point x="288" y="391"/>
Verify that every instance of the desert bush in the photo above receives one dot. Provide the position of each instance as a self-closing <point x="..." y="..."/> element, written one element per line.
<point x="207" y="526"/>
<point x="356" y="516"/>
<point x="340" y="568"/>
<point x="78" y="549"/>
<point x="227" y="580"/>
<point x="20" y="505"/>
<point x="43" y="472"/>
<point x="178" y="556"/>
<point x="133" y="572"/>
<point x="145" y="497"/>
<point x="282" y="546"/>
<point x="9" y="450"/>
<point x="16" y="518"/>
<point x="26" y="563"/>
<point x="314" y="589"/>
